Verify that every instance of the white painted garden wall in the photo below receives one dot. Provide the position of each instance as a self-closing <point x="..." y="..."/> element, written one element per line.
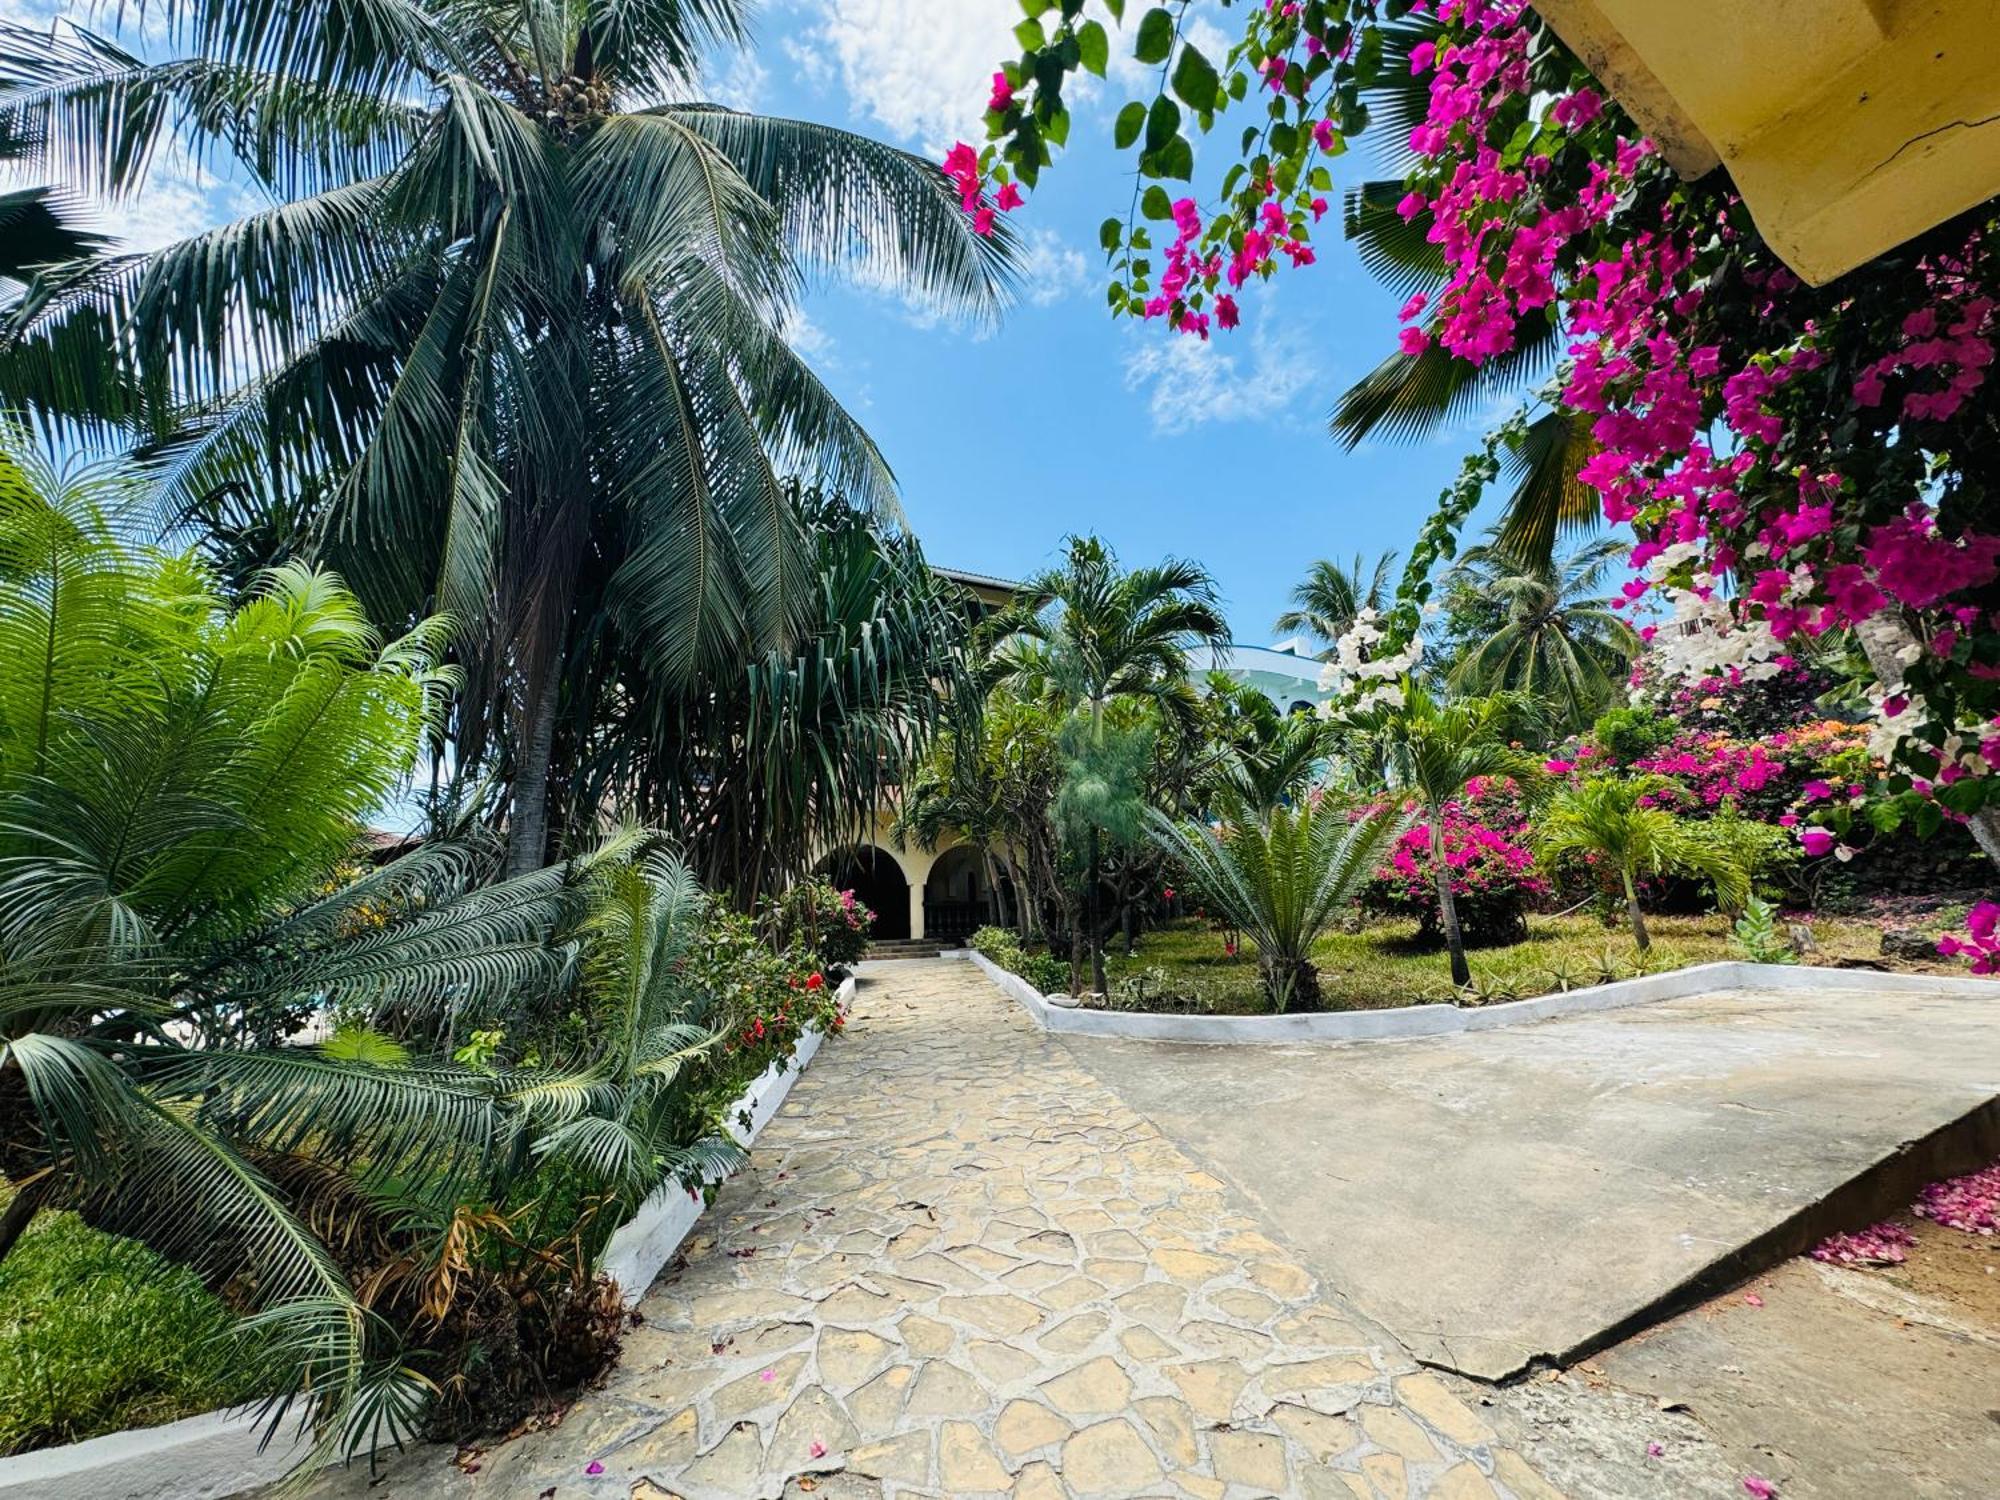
<point x="1444" y="1019"/>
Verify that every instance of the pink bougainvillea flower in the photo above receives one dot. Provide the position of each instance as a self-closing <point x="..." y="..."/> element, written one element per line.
<point x="1762" y="1489"/>
<point x="1753" y="1299"/>
<point x="1817" y="841"/>
<point x="817" y="1450"/>
<point x="593" y="1467"/>
<point x="1002" y="96"/>
<point x="767" y="1376"/>
<point x="1654" y="1450"/>
<point x="1009" y="197"/>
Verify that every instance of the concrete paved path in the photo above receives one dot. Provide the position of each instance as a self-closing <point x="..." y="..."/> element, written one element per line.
<point x="1499" y="1197"/>
<point x="959" y="1265"/>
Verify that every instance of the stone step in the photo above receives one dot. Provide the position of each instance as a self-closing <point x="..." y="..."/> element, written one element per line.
<point x="905" y="948"/>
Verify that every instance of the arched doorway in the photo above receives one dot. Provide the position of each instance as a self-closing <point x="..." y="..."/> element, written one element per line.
<point x="958" y="899"/>
<point x="877" y="882"/>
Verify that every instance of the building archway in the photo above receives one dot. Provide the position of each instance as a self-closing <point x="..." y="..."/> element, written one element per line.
<point x="958" y="898"/>
<point x="877" y="880"/>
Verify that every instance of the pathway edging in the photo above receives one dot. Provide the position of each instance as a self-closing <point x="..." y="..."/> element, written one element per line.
<point x="220" y="1454"/>
<point x="1446" y="1019"/>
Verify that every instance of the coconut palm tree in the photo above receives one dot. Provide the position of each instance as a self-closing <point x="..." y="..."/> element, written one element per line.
<point x="1432" y="749"/>
<point x="1554" y="636"/>
<point x="1282" y="876"/>
<point x="1326" y="601"/>
<point x="510" y="341"/>
<point x="1607" y="818"/>
<point x="1086" y="637"/>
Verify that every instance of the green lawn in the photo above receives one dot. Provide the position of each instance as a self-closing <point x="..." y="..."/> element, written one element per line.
<point x="97" y="1333"/>
<point x="1383" y="965"/>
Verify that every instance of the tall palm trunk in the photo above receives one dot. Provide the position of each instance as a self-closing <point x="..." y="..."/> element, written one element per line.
<point x="1638" y="918"/>
<point x="528" y="819"/>
<point x="1454" y="935"/>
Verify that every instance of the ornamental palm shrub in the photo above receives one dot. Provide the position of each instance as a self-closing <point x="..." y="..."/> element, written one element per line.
<point x="179" y="785"/>
<point x="1433" y="749"/>
<point x="509" y="341"/>
<point x="1108" y="648"/>
<point x="1283" y="877"/>
<point x="1607" y="819"/>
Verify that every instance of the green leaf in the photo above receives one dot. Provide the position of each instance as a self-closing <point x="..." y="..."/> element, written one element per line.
<point x="1155" y="204"/>
<point x="1111" y="233"/>
<point x="1031" y="36"/>
<point x="1131" y="120"/>
<point x="1156" y="36"/>
<point x="1094" y="47"/>
<point x="1175" y="160"/>
<point x="1195" y="80"/>
<point x="1163" y="122"/>
<point x="1117" y="9"/>
<point x="1368" y="57"/>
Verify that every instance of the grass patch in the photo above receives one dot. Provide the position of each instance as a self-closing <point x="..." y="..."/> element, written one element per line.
<point x="98" y="1333"/>
<point x="1183" y="966"/>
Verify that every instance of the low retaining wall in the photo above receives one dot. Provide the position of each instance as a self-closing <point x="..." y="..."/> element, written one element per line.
<point x="647" y="1241"/>
<point x="218" y="1454"/>
<point x="1445" y="1019"/>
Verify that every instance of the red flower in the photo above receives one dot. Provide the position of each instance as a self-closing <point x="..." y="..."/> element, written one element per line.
<point x="815" y="981"/>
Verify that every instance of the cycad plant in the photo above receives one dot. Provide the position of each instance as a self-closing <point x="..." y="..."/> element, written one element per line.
<point x="180" y="786"/>
<point x="1283" y="876"/>
<point x="1606" y="818"/>
<point x="509" y="343"/>
<point x="1432" y="749"/>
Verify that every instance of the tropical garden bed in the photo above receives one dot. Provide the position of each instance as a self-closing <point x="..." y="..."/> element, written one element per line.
<point x="1187" y="967"/>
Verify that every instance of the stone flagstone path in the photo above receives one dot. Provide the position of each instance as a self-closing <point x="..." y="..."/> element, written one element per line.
<point x="958" y="1265"/>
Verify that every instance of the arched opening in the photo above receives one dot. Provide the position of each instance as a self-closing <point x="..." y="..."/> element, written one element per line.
<point x="958" y="898"/>
<point x="877" y="882"/>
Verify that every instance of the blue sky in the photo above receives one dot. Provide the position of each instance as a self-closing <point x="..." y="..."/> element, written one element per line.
<point x="1064" y="419"/>
<point x="1061" y="419"/>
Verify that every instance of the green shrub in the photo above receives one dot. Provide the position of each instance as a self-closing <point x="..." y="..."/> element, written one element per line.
<point x="994" y="942"/>
<point x="1757" y="932"/>
<point x="814" y="917"/>
<point x="97" y="1333"/>
<point x="1045" y="972"/>
<point x="1627" y="734"/>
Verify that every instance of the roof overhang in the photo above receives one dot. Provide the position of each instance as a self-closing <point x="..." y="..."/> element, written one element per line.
<point x="1849" y="126"/>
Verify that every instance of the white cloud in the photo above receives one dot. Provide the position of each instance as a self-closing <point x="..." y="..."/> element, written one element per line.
<point x="1190" y="382"/>
<point x="920" y="68"/>
<point x="1050" y="269"/>
<point x="741" y="83"/>
<point x="810" y="341"/>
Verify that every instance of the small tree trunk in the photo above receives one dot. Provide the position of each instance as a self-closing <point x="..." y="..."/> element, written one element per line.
<point x="1454" y="938"/>
<point x="1638" y="918"/>
<point x="1090" y="895"/>
<point x="26" y="1203"/>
